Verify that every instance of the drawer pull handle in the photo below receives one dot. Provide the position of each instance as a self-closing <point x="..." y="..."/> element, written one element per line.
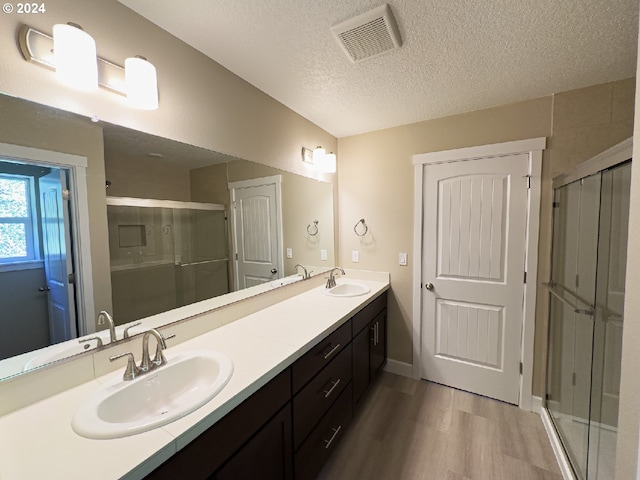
<point x="333" y="387"/>
<point x="332" y="351"/>
<point x="335" y="432"/>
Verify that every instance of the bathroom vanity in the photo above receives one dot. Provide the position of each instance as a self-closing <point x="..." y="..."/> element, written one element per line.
<point x="302" y="365"/>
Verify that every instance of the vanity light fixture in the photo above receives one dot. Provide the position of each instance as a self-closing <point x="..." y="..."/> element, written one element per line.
<point x="141" y="83"/>
<point x="74" y="52"/>
<point x="38" y="47"/>
<point x="319" y="159"/>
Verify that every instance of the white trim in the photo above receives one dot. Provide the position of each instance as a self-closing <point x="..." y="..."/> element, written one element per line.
<point x="530" y="288"/>
<point x="536" y="404"/>
<point x="558" y="450"/>
<point x="26" y="265"/>
<point x="399" y="368"/>
<point x="481" y="151"/>
<point x="417" y="270"/>
<point x="77" y="166"/>
<point x="153" y="203"/>
<point x="533" y="147"/>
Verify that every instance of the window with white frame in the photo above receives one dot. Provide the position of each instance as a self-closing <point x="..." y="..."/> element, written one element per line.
<point x="18" y="236"/>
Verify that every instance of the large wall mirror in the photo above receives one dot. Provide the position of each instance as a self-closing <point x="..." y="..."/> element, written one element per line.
<point x="185" y="226"/>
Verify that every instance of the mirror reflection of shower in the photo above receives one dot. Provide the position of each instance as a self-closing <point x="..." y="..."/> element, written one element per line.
<point x="165" y="254"/>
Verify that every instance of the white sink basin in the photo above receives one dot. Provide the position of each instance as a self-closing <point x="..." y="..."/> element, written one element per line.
<point x="346" y="289"/>
<point x="122" y="408"/>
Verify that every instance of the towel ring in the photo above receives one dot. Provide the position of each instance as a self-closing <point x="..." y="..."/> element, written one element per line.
<point x="366" y="229"/>
<point x="313" y="229"/>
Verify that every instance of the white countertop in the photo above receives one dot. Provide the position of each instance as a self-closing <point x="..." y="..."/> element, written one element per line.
<point x="37" y="441"/>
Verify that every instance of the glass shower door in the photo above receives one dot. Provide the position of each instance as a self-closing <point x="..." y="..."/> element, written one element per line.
<point x="575" y="250"/>
<point x="607" y="341"/>
<point x="586" y="317"/>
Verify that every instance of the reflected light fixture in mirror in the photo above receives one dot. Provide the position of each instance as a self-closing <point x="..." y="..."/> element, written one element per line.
<point x="74" y="51"/>
<point x="141" y="83"/>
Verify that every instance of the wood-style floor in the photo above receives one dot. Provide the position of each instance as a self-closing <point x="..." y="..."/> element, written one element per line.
<point x="409" y="429"/>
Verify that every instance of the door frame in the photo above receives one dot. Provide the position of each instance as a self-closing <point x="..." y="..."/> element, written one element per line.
<point x="256" y="182"/>
<point x="533" y="147"/>
<point x="79" y="217"/>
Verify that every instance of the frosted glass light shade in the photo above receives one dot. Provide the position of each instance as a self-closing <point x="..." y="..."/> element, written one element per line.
<point x="141" y="83"/>
<point x="74" y="52"/>
<point x="329" y="163"/>
<point x="318" y="156"/>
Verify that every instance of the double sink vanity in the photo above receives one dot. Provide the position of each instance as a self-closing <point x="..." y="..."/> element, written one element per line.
<point x="266" y="395"/>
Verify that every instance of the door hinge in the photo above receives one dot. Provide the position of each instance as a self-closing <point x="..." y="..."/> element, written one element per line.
<point x="577" y="280"/>
<point x="236" y="256"/>
<point x="66" y="194"/>
<point x="528" y="177"/>
<point x="556" y="204"/>
<point x="525" y="277"/>
<point x="71" y="278"/>
<point x="573" y="379"/>
<point x="520" y="368"/>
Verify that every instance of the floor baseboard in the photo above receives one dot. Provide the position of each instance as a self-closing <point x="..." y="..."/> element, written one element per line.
<point x="399" y="368"/>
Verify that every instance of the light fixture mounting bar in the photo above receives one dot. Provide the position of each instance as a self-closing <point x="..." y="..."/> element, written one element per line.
<point x="37" y="47"/>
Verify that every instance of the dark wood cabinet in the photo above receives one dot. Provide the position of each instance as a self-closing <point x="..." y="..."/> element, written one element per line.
<point x="266" y="456"/>
<point x="289" y="427"/>
<point x="369" y="347"/>
<point x="211" y="450"/>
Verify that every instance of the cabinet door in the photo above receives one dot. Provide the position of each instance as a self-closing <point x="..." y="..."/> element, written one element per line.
<point x="361" y="363"/>
<point x="378" y="343"/>
<point x="268" y="455"/>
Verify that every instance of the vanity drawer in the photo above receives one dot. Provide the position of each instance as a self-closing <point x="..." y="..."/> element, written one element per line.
<point x="314" y="452"/>
<point x="361" y="319"/>
<point x="312" y="362"/>
<point x="310" y="404"/>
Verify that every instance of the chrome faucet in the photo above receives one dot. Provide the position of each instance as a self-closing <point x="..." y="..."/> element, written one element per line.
<point x="306" y="274"/>
<point x="146" y="364"/>
<point x="331" y="281"/>
<point x="102" y="316"/>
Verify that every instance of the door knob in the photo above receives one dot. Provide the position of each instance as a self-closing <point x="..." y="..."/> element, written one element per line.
<point x="274" y="270"/>
<point x="429" y="286"/>
<point x="44" y="289"/>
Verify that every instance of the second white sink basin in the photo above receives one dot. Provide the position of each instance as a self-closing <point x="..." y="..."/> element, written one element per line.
<point x="122" y="408"/>
<point x="346" y="289"/>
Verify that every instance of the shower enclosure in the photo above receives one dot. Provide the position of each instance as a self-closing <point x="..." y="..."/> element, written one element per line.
<point x="591" y="213"/>
<point x="165" y="254"/>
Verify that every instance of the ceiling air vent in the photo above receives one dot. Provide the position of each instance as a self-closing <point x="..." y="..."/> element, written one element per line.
<point x="368" y="35"/>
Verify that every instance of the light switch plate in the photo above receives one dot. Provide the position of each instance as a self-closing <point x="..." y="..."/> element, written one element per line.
<point x="289" y="253"/>
<point x="402" y="259"/>
<point x="323" y="254"/>
<point x="355" y="256"/>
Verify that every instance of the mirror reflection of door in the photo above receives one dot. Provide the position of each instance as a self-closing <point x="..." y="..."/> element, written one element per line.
<point x="33" y="272"/>
<point x="257" y="231"/>
<point x="56" y="239"/>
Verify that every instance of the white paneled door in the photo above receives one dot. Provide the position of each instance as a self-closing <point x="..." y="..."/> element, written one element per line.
<point x="474" y="244"/>
<point x="257" y="231"/>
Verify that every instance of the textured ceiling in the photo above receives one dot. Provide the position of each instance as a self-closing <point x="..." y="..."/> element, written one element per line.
<point x="457" y="56"/>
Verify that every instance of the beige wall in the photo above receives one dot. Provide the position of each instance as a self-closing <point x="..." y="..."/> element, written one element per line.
<point x="376" y="183"/>
<point x="146" y="178"/>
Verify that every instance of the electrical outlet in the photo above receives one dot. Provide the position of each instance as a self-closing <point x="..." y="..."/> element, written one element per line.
<point x="355" y="256"/>
<point x="323" y="254"/>
<point x="289" y="253"/>
<point x="402" y="259"/>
